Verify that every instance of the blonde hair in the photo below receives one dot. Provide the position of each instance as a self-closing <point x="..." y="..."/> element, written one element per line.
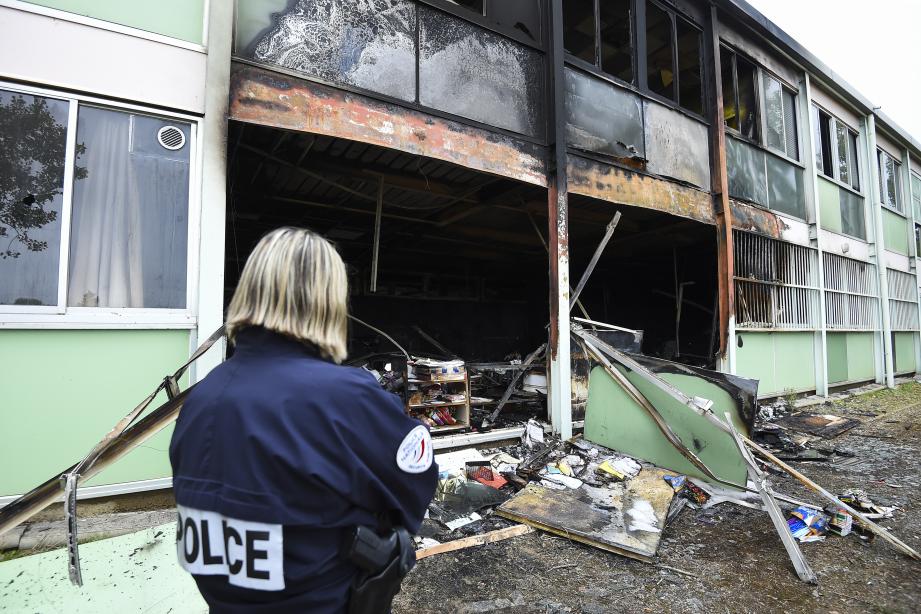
<point x="294" y="283"/>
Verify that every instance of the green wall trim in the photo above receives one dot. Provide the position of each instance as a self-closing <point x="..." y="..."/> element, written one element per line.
<point x="829" y="205"/>
<point x="851" y="356"/>
<point x="615" y="420"/>
<point x="781" y="361"/>
<point x="182" y="19"/>
<point x="895" y="232"/>
<point x="904" y="346"/>
<point x="63" y="390"/>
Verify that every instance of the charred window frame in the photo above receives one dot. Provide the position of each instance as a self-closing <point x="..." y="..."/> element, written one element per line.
<point x="611" y="38"/>
<point x="837" y="153"/>
<point x="741" y="110"/>
<point x="602" y="34"/>
<point x="890" y="182"/>
<point x="523" y="21"/>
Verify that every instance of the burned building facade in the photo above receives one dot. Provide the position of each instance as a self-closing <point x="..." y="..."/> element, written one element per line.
<point x="467" y="157"/>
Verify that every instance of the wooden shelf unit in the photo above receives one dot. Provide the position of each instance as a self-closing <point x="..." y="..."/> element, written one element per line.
<point x="454" y="384"/>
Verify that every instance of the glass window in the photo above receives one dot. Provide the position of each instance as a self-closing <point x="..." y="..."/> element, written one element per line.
<point x="889" y="185"/>
<point x="730" y="100"/>
<point x="617" y="39"/>
<point x="660" y="71"/>
<point x="579" y="29"/>
<point x="789" y="122"/>
<point x="844" y="157"/>
<point x="815" y="119"/>
<point x="33" y="142"/>
<point x="773" y="113"/>
<point x="521" y="15"/>
<point x="690" y="84"/>
<point x="130" y="212"/>
<point x="825" y="145"/>
<point x="854" y="167"/>
<point x="748" y="98"/>
<point x="916" y="197"/>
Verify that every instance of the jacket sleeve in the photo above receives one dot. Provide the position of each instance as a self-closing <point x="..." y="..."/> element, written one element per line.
<point x="393" y="470"/>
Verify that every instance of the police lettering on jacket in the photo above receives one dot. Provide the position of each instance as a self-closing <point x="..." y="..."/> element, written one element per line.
<point x="249" y="554"/>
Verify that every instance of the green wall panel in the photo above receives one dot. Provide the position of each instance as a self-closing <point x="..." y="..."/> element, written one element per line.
<point x="895" y="232"/>
<point x="63" y="390"/>
<point x="861" y="356"/>
<point x="182" y="19"/>
<point x="829" y="205"/>
<point x="615" y="420"/>
<point x="781" y="361"/>
<point x="836" y="349"/>
<point x="904" y="352"/>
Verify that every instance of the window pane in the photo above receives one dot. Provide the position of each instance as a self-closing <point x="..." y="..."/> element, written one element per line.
<point x="660" y="73"/>
<point x="748" y="99"/>
<point x="579" y="29"/>
<point x="889" y="181"/>
<point x="854" y="166"/>
<point x="33" y="134"/>
<point x="789" y="123"/>
<point x="616" y="39"/>
<point x="130" y="213"/>
<point x="730" y="110"/>
<point x="773" y="113"/>
<point x="827" y="150"/>
<point x="817" y="137"/>
<point x="916" y="197"/>
<point x="843" y="158"/>
<point x="521" y="15"/>
<point x="690" y="85"/>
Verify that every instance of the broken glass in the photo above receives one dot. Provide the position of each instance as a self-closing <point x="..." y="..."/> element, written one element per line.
<point x="579" y="29"/>
<point x="660" y="69"/>
<point x="617" y="39"/>
<point x="745" y="167"/>
<point x="852" y="214"/>
<point x="602" y="117"/>
<point x="31" y="197"/>
<point x="785" y="187"/>
<point x="363" y="43"/>
<point x="690" y="84"/>
<point x="474" y="73"/>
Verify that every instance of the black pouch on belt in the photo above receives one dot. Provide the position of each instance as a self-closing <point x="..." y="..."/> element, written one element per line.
<point x="385" y="561"/>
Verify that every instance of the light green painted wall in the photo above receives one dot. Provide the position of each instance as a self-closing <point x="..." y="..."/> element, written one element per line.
<point x="829" y="205"/>
<point x="895" y="232"/>
<point x="905" y="352"/>
<point x="182" y="19"/>
<point x="781" y="361"/>
<point x="615" y="420"/>
<point x="63" y="390"/>
<point x="850" y="357"/>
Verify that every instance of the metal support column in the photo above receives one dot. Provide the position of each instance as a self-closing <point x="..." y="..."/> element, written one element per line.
<point x="879" y="252"/>
<point x="558" y="214"/>
<point x="213" y="144"/>
<point x="814" y="217"/>
<point x="719" y="189"/>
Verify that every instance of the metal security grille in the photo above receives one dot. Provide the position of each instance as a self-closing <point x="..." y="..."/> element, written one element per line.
<point x="903" y="301"/>
<point x="776" y="283"/>
<point x="850" y="293"/>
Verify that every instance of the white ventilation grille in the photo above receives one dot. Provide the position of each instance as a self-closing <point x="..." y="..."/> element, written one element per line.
<point x="903" y="306"/>
<point x="776" y="283"/>
<point x="171" y="137"/>
<point x="850" y="294"/>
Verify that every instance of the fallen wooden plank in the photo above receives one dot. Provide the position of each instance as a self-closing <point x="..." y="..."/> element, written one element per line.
<point x="476" y="540"/>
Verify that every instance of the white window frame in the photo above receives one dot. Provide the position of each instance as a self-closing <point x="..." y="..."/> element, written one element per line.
<point x="762" y="112"/>
<point x="835" y="171"/>
<point x="899" y="188"/>
<point x="62" y="316"/>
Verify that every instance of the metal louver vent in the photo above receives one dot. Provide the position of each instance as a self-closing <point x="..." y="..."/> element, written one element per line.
<point x="171" y="137"/>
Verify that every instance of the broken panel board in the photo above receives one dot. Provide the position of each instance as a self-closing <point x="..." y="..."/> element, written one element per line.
<point x="627" y="519"/>
<point x="614" y="420"/>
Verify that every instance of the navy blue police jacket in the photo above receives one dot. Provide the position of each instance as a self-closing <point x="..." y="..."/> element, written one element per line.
<point x="276" y="454"/>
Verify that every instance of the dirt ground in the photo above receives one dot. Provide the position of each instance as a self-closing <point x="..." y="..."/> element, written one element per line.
<point x="732" y="558"/>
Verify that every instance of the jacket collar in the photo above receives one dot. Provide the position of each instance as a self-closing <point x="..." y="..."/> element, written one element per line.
<point x="256" y="340"/>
